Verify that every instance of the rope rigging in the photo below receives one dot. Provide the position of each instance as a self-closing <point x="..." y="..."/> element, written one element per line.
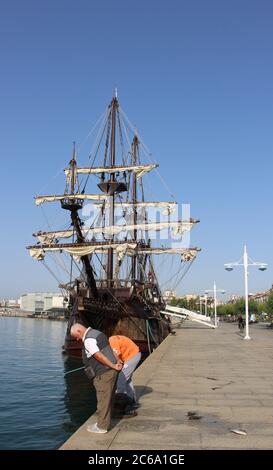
<point x="94" y="158"/>
<point x="138" y="266"/>
<point x="148" y="153"/>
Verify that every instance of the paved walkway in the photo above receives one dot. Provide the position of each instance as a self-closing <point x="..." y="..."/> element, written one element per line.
<point x="225" y="380"/>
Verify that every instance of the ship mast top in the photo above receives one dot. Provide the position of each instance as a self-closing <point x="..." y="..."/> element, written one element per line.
<point x="73" y="165"/>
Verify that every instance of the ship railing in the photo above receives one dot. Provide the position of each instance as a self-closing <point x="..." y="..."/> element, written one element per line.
<point x="123" y="283"/>
<point x="70" y="204"/>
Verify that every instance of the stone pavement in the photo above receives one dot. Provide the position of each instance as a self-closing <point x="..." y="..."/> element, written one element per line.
<point x="224" y="381"/>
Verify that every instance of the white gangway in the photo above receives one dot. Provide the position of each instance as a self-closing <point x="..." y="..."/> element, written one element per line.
<point x="185" y="314"/>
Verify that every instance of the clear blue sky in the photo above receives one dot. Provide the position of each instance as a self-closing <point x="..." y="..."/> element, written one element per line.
<point x="196" y="77"/>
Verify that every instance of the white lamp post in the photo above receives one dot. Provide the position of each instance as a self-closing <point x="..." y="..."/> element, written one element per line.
<point x="214" y="290"/>
<point x="245" y="263"/>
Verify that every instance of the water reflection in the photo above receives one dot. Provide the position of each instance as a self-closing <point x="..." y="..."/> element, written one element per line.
<point x="79" y="398"/>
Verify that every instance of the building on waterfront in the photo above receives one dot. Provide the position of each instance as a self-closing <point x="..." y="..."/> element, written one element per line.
<point x="56" y="313"/>
<point x="10" y="303"/>
<point x="169" y="295"/>
<point x="233" y="298"/>
<point x="262" y="297"/>
<point x="259" y="297"/>
<point x="189" y="297"/>
<point x="40" y="302"/>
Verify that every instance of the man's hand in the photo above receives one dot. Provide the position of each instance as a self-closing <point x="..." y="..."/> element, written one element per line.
<point x="99" y="356"/>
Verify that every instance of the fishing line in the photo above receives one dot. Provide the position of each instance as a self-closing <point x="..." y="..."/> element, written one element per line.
<point x="74" y="370"/>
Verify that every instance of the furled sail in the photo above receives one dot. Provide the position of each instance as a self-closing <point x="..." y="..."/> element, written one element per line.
<point x="178" y="228"/>
<point x="94" y="197"/>
<point x="82" y="249"/>
<point x="141" y="204"/>
<point x="121" y="248"/>
<point x="187" y="254"/>
<point x="139" y="170"/>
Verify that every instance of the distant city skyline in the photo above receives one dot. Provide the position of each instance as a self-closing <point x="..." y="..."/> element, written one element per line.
<point x="195" y="78"/>
<point x="170" y="294"/>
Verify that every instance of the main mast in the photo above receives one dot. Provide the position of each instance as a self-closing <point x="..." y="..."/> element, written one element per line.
<point x="110" y="263"/>
<point x="112" y="185"/>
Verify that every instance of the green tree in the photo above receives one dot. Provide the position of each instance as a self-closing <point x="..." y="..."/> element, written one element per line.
<point x="239" y="307"/>
<point x="225" y="310"/>
<point x="253" y="306"/>
<point x="182" y="303"/>
<point x="262" y="309"/>
<point x="174" y="302"/>
<point x="269" y="306"/>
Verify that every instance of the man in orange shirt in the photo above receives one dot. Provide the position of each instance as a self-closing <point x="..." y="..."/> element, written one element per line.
<point x="127" y="352"/>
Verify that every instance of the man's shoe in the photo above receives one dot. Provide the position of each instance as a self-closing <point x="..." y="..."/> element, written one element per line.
<point x="94" y="428"/>
<point x="125" y="414"/>
<point x="134" y="405"/>
<point x="129" y="414"/>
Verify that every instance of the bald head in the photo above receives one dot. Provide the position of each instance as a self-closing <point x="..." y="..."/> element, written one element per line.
<point x="77" y="331"/>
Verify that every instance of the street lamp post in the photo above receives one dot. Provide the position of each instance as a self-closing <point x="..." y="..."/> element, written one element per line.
<point x="214" y="290"/>
<point x="206" y="305"/>
<point x="245" y="263"/>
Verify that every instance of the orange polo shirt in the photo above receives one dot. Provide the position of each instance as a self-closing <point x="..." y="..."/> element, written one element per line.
<point x="124" y="347"/>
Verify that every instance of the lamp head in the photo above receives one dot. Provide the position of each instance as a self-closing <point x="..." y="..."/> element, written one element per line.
<point x="223" y="292"/>
<point x="206" y="291"/>
<point x="263" y="267"/>
<point x="228" y="267"/>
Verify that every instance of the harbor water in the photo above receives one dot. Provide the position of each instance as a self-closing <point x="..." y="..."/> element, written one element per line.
<point x="40" y="404"/>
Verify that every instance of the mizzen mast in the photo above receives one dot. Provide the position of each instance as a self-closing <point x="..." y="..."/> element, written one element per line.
<point x="135" y="154"/>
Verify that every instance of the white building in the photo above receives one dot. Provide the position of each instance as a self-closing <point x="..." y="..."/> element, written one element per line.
<point x="38" y="302"/>
<point x="189" y="297"/>
<point x="12" y="303"/>
<point x="262" y="297"/>
<point x="233" y="298"/>
<point x="169" y="295"/>
<point x="9" y="304"/>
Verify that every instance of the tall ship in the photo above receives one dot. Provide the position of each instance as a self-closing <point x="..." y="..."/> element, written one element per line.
<point x="111" y="236"/>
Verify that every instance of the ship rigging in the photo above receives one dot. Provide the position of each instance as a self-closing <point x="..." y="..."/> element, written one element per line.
<point x="115" y="287"/>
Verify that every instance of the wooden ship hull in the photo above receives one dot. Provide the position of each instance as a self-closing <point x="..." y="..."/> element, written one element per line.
<point x="124" y="313"/>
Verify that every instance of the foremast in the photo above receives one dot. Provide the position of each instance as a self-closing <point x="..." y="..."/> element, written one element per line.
<point x="73" y="205"/>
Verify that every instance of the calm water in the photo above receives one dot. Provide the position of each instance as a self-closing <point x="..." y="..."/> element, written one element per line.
<point x="40" y="407"/>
